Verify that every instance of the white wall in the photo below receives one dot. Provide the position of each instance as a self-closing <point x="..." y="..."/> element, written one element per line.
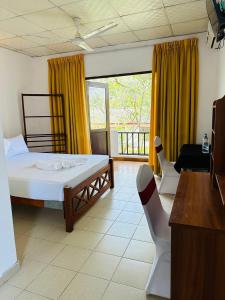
<point x="140" y="59"/>
<point x="15" y="78"/>
<point x="208" y="60"/>
<point x="119" y="61"/>
<point x="221" y="73"/>
<point x="8" y="258"/>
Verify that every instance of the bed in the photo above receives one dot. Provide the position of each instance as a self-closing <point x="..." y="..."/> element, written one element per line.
<point x="78" y="187"/>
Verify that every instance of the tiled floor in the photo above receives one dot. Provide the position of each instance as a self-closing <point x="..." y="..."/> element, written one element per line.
<point x="108" y="256"/>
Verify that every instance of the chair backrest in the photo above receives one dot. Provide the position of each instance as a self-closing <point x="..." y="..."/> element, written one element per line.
<point x="150" y="200"/>
<point x="160" y="152"/>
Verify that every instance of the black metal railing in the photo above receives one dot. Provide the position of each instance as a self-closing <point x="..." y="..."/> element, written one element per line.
<point x="133" y="143"/>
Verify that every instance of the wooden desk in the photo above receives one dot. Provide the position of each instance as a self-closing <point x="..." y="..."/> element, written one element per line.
<point x="197" y="240"/>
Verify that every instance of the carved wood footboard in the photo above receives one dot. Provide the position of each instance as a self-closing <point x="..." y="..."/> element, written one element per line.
<point x="79" y="199"/>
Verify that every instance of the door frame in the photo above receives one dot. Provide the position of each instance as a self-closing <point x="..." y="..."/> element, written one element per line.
<point x="107" y="129"/>
<point x="89" y="78"/>
<point x="117" y="75"/>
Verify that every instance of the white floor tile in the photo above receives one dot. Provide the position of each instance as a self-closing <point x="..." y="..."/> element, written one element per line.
<point x="58" y="236"/>
<point x="44" y="251"/>
<point x="110" y="193"/>
<point x="41" y="231"/>
<point x="51" y="282"/>
<point x="84" y="239"/>
<point x="25" y="244"/>
<point x="167" y="208"/>
<point x="94" y="224"/>
<point x="135" y="198"/>
<point x="142" y="233"/>
<point x="129" y="191"/>
<point x="122" y="196"/>
<point x="141" y="251"/>
<point x="133" y="273"/>
<point x="22" y="226"/>
<point x="101" y="265"/>
<point x="104" y="213"/>
<point x="8" y="292"/>
<point x="113" y="245"/>
<point x="30" y="296"/>
<point x="85" y="287"/>
<point x="130" y="217"/>
<point x="29" y="270"/>
<point x="134" y="207"/>
<point x="71" y="258"/>
<point x="123" y="292"/>
<point x="143" y="221"/>
<point x="111" y="204"/>
<point x="122" y="229"/>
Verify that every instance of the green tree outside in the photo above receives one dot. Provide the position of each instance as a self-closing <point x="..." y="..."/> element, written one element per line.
<point x="129" y="104"/>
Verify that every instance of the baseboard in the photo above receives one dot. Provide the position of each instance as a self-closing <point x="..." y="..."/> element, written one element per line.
<point x="9" y="273"/>
<point x="130" y="158"/>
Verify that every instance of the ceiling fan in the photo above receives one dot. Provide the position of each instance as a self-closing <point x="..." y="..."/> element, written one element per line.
<point x="80" y="40"/>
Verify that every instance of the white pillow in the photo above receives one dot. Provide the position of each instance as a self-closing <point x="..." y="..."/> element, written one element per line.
<point x="16" y="145"/>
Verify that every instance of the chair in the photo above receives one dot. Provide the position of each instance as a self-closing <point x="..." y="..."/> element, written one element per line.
<point x="170" y="177"/>
<point x="159" y="278"/>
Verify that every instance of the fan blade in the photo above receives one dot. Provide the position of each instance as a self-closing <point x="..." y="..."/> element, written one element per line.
<point x="100" y="30"/>
<point x="36" y="35"/>
<point x="85" y="46"/>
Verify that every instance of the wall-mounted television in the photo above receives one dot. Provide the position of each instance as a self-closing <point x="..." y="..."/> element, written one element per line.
<point x="216" y="13"/>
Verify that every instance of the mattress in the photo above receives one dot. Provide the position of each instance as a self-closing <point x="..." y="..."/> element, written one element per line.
<point x="27" y="181"/>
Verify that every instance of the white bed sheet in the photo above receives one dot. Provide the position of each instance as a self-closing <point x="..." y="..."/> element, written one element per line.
<point x="27" y="181"/>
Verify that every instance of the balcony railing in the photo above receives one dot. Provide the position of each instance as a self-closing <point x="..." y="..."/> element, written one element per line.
<point x="133" y="143"/>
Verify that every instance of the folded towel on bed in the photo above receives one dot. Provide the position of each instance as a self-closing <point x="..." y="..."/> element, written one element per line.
<point x="58" y="164"/>
<point x="70" y="163"/>
<point x="49" y="165"/>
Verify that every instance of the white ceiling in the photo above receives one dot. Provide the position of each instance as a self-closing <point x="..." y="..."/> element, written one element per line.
<point x="43" y="27"/>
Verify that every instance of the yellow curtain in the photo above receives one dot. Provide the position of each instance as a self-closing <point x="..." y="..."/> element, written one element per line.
<point x="175" y="77"/>
<point x="66" y="76"/>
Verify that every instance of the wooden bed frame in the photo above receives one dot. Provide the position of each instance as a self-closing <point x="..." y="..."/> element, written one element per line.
<point x="79" y="199"/>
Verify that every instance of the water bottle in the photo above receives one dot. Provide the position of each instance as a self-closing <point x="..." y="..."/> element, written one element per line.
<point x="205" y="144"/>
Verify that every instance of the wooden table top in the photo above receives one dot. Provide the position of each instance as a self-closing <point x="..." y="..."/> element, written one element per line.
<point x="197" y="203"/>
